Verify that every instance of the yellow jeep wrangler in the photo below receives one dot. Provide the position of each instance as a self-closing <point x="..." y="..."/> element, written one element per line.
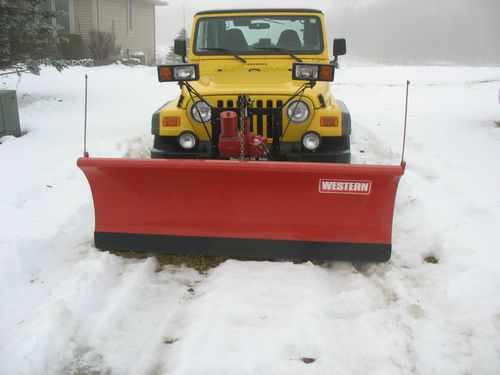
<point x="272" y="68"/>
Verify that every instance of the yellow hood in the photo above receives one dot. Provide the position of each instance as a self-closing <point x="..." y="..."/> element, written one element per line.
<point x="255" y="78"/>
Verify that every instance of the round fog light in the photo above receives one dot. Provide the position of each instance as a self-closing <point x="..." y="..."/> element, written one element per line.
<point x="187" y="141"/>
<point x="311" y="141"/>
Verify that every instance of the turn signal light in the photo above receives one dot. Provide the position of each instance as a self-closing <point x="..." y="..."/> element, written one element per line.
<point x="171" y="121"/>
<point x="331" y="122"/>
<point x="326" y="73"/>
<point x="165" y="74"/>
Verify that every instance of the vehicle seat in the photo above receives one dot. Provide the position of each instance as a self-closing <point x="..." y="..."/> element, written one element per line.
<point x="234" y="40"/>
<point x="289" y="39"/>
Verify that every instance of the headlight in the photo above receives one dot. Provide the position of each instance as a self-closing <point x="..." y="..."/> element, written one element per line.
<point x="313" y="72"/>
<point x="306" y="72"/>
<point x="311" y="141"/>
<point x="298" y="111"/>
<point x="201" y="112"/>
<point x="187" y="140"/>
<point x="182" y="72"/>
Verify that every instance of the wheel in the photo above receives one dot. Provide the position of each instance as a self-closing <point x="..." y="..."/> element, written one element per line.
<point x="163" y="147"/>
<point x="342" y="150"/>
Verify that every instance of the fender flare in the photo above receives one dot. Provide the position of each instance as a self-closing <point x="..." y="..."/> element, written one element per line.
<point x="346" y="118"/>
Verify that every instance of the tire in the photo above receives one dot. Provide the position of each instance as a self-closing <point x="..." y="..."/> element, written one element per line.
<point x="343" y="150"/>
<point x="162" y="147"/>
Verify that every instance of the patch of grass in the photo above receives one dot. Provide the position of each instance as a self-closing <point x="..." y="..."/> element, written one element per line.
<point x="201" y="263"/>
<point x="129" y="254"/>
<point x="307" y="360"/>
<point x="322" y="263"/>
<point x="431" y="259"/>
<point x="169" y="341"/>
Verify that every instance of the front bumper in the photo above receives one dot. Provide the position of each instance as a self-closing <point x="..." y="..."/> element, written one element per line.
<point x="332" y="149"/>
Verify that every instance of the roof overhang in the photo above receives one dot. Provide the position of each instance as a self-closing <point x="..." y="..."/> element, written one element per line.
<point x="157" y="2"/>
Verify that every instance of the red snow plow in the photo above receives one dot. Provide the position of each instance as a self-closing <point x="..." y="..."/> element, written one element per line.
<point x="254" y="209"/>
<point x="252" y="159"/>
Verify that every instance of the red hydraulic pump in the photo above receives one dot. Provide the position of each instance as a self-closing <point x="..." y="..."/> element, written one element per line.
<point x="239" y="142"/>
<point x="236" y="140"/>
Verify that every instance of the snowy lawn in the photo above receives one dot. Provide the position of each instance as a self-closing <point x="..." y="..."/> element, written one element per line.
<point x="67" y="308"/>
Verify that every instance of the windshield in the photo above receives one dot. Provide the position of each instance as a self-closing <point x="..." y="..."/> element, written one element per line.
<point x="258" y="35"/>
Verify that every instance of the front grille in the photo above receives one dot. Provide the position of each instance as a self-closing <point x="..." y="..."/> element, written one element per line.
<point x="265" y="115"/>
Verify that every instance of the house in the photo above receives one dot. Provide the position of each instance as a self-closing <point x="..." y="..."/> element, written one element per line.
<point x="130" y="22"/>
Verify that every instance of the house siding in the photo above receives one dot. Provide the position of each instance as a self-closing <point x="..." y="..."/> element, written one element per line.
<point x="111" y="16"/>
<point x="83" y="23"/>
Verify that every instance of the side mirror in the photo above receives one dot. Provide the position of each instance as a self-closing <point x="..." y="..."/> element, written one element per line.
<point x="339" y="47"/>
<point x="180" y="48"/>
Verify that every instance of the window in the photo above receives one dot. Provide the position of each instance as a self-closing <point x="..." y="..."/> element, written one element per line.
<point x="62" y="17"/>
<point x="259" y="34"/>
<point x="61" y="23"/>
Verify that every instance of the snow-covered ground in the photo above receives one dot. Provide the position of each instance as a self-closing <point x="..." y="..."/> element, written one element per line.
<point x="67" y="308"/>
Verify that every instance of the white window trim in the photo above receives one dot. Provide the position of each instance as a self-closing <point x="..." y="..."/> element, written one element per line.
<point x="71" y="11"/>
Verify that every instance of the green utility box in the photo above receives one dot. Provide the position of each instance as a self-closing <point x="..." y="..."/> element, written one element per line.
<point x="9" y="114"/>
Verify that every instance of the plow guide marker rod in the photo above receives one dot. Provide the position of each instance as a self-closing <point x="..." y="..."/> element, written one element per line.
<point x="244" y="208"/>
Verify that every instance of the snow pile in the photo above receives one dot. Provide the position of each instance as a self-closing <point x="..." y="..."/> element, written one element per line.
<point x="69" y="308"/>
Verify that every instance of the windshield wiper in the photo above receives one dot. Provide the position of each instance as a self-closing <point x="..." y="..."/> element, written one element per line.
<point x="224" y="51"/>
<point x="280" y="50"/>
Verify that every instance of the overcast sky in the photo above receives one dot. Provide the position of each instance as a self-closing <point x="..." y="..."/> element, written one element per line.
<point x="405" y="31"/>
<point x="170" y="19"/>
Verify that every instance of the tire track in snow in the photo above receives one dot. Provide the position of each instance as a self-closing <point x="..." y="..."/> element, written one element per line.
<point x="274" y="314"/>
<point x="400" y="303"/>
<point x="84" y="310"/>
<point x="134" y="321"/>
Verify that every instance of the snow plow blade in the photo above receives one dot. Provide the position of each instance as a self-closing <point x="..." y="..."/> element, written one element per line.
<point x="268" y="210"/>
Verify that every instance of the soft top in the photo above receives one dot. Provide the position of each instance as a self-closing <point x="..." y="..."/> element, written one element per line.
<point x="274" y="10"/>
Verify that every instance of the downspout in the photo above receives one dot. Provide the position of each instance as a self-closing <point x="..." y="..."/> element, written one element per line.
<point x="154" y="34"/>
<point x="97" y="15"/>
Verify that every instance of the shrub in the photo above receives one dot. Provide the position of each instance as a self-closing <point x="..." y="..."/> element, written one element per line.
<point x="70" y="47"/>
<point x="102" y="45"/>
